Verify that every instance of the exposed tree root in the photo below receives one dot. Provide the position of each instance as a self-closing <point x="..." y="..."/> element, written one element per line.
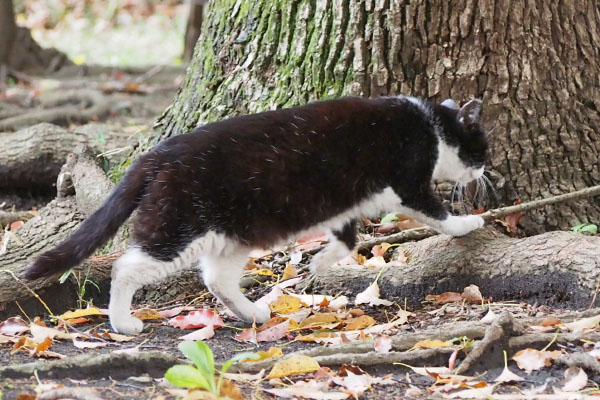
<point x="75" y="393"/>
<point x="93" y="366"/>
<point x="75" y="106"/>
<point x="506" y="333"/>
<point x="8" y="217"/>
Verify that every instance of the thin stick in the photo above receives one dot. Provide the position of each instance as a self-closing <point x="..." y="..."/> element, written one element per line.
<point x="422" y="233"/>
<point x="531" y="205"/>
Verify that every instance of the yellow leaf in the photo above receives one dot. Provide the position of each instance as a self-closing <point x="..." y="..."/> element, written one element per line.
<point x="265" y="355"/>
<point x="147" y="314"/>
<point x="286" y="304"/>
<point x="299" y="364"/>
<point x="82" y="313"/>
<point x="362" y="322"/>
<point x="263" y="271"/>
<point x="317" y="321"/>
<point x="430" y="344"/>
<point x="289" y="272"/>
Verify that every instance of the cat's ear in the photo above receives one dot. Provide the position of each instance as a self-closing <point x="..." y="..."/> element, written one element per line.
<point x="470" y="114"/>
<point x="449" y="103"/>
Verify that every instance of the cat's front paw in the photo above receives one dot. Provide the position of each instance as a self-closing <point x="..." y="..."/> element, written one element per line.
<point x="127" y="325"/>
<point x="461" y="225"/>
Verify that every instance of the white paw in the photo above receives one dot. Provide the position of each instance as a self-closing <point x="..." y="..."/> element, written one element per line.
<point x="461" y="225"/>
<point x="127" y="325"/>
<point x="262" y="314"/>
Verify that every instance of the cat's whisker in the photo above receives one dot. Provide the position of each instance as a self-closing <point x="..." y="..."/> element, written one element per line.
<point x="489" y="183"/>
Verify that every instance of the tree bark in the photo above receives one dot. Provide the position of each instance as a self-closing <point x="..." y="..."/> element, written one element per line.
<point x="555" y="268"/>
<point x="193" y="27"/>
<point x="8" y="30"/>
<point x="528" y="61"/>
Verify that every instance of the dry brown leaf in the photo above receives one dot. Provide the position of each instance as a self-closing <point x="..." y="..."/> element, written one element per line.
<point x="531" y="359"/>
<point x="299" y="364"/>
<point x="147" y="314"/>
<point x="265" y="355"/>
<point x="86" y="312"/>
<point x="575" y="379"/>
<point x="289" y="272"/>
<point x="319" y="320"/>
<point x="362" y="322"/>
<point x="472" y="294"/>
<point x="285" y="304"/>
<point x="431" y="343"/>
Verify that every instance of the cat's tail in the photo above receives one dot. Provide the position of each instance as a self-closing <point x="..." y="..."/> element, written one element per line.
<point x="97" y="229"/>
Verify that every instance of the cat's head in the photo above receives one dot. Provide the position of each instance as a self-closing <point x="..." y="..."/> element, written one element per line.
<point x="462" y="149"/>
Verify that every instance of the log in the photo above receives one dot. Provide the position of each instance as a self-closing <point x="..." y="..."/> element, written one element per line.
<point x="556" y="268"/>
<point x="31" y="158"/>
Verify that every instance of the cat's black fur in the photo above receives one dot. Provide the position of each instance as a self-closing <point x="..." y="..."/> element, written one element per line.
<point x="259" y="178"/>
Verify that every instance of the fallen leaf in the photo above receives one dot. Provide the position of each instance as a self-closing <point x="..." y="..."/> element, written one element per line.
<point x="86" y="312"/>
<point x="295" y="258"/>
<point x="263" y="272"/>
<point x="115" y="337"/>
<point x="508" y="376"/>
<point x="75" y="321"/>
<point x="583" y="324"/>
<point x="147" y="314"/>
<point x="285" y="304"/>
<point x="229" y="390"/>
<point x="201" y="334"/>
<point x="448" y="297"/>
<point x="357" y="384"/>
<point x="289" y="272"/>
<point x="575" y="379"/>
<point x="413" y="391"/>
<point x="550" y="321"/>
<point x="39" y="333"/>
<point x="311" y="241"/>
<point x="13" y="326"/>
<point x="197" y="319"/>
<point x="80" y="344"/>
<point x="318" y="390"/>
<point x="272" y="330"/>
<point x="42" y="346"/>
<point x="431" y="344"/>
<point x="175" y="311"/>
<point x="299" y="364"/>
<point x="489" y="317"/>
<point x="320" y="320"/>
<point x="472" y="294"/>
<point x="16" y="225"/>
<point x="379" y="250"/>
<point x="477" y="393"/>
<point x="375" y="262"/>
<point x="370" y="296"/>
<point x="531" y="359"/>
<point x="383" y="344"/>
<point x="265" y="355"/>
<point x="7" y="339"/>
<point x="364" y="321"/>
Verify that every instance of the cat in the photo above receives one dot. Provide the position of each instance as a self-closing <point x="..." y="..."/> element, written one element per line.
<point x="252" y="181"/>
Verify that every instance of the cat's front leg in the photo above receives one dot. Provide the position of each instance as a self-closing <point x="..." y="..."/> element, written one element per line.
<point x="341" y="243"/>
<point x="424" y="206"/>
<point x="222" y="275"/>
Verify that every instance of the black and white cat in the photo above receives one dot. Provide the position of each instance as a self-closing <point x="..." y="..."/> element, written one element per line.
<point x="256" y="180"/>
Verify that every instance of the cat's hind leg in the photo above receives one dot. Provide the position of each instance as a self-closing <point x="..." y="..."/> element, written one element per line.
<point x="130" y="272"/>
<point x="221" y="274"/>
<point x="341" y="243"/>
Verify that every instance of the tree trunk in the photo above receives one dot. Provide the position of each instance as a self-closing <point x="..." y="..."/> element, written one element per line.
<point x="529" y="61"/>
<point x="193" y="27"/>
<point x="8" y="30"/>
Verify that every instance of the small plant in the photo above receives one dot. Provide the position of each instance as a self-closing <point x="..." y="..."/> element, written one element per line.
<point x="585" y="228"/>
<point x="81" y="285"/>
<point x="202" y="375"/>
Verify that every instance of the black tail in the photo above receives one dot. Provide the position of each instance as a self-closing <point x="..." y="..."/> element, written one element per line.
<point x="96" y="229"/>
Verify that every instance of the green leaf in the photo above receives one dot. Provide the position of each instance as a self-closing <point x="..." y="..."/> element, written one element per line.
<point x="202" y="356"/>
<point x="389" y="218"/>
<point x="590" y="228"/>
<point x="187" y="376"/>
<point x="576" y="228"/>
<point x="65" y="276"/>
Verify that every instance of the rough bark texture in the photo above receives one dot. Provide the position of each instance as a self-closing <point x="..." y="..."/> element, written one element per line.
<point x="8" y="30"/>
<point x="30" y="159"/>
<point x="557" y="268"/>
<point x="52" y="225"/>
<point x="529" y="61"/>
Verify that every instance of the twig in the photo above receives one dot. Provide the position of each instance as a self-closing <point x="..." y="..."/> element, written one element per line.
<point x="422" y="233"/>
<point x="531" y="205"/>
